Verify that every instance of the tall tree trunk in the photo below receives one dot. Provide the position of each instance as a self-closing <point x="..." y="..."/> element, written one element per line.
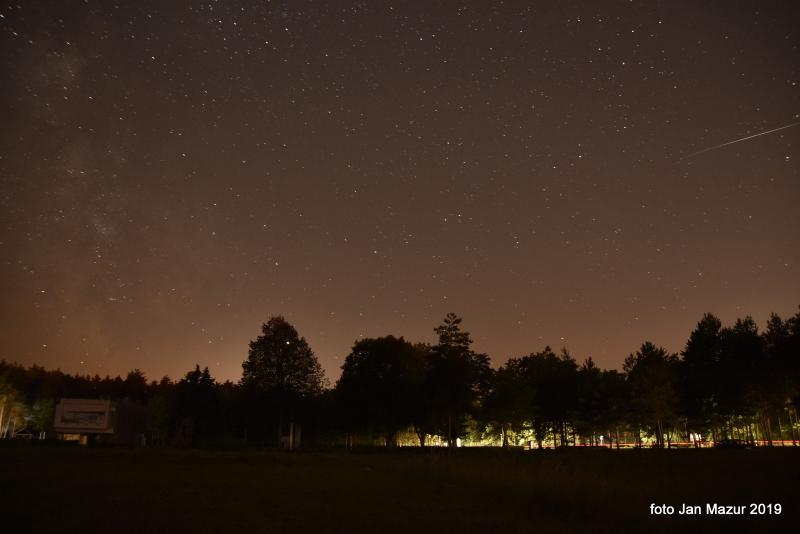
<point x="280" y="427"/>
<point x="658" y="433"/>
<point x="769" y="428"/>
<point x="450" y="443"/>
<point x="421" y="437"/>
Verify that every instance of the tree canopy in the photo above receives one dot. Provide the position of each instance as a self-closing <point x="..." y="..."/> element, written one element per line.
<point x="281" y="362"/>
<point x="381" y="380"/>
<point x="282" y="370"/>
<point x="457" y="379"/>
<point x="728" y="382"/>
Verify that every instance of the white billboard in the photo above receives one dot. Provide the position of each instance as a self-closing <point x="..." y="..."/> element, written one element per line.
<point x="83" y="416"/>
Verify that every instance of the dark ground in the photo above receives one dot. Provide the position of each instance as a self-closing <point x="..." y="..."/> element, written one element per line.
<point x="70" y="489"/>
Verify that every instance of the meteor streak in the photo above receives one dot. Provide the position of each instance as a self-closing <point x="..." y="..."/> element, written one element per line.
<point x="709" y="149"/>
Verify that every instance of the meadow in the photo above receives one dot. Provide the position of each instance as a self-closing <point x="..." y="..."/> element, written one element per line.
<point x="72" y="489"/>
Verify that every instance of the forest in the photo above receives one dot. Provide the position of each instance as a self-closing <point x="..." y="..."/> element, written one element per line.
<point x="729" y="383"/>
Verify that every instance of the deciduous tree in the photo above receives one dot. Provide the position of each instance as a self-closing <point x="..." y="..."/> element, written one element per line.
<point x="283" y="368"/>
<point x="381" y="380"/>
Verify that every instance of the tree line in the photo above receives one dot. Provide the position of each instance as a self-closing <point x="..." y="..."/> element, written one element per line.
<point x="729" y="382"/>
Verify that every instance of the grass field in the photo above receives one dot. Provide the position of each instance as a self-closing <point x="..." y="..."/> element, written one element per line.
<point x="120" y="491"/>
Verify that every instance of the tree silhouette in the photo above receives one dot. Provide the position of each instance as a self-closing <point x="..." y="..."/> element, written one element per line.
<point x="553" y="380"/>
<point x="740" y="356"/>
<point x="589" y="421"/>
<point x="791" y="365"/>
<point x="9" y="405"/>
<point x="380" y="380"/>
<point x="603" y="404"/>
<point x="136" y="386"/>
<point x="616" y="401"/>
<point x="197" y="405"/>
<point x="423" y="406"/>
<point x="652" y="375"/>
<point x="772" y="390"/>
<point x="281" y="366"/>
<point x="506" y="407"/>
<point x="450" y="335"/>
<point x="457" y="377"/>
<point x="699" y="381"/>
<point x="732" y="382"/>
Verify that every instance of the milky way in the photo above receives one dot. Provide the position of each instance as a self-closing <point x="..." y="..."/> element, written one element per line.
<point x="174" y="173"/>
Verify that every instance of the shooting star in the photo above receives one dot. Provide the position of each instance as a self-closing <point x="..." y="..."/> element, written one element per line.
<point x="709" y="149"/>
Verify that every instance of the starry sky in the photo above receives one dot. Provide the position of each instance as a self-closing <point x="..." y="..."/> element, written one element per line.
<point x="174" y="173"/>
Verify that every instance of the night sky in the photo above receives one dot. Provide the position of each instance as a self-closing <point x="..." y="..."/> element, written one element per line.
<point x="174" y="173"/>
